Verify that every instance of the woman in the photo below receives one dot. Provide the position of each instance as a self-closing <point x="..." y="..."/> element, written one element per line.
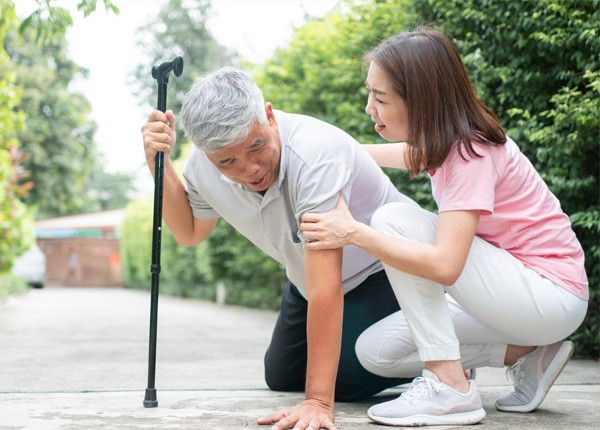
<point x="500" y="246"/>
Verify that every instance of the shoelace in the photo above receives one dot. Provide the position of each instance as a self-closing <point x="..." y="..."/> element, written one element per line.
<point x="514" y="373"/>
<point x="420" y="387"/>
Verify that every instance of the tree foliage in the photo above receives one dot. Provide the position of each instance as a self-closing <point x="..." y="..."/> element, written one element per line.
<point x="36" y="107"/>
<point x="106" y="191"/>
<point x="178" y="29"/>
<point x="50" y="22"/>
<point x="14" y="219"/>
<point x="57" y="135"/>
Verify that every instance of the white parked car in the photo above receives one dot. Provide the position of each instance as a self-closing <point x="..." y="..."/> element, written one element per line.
<point x="31" y="267"/>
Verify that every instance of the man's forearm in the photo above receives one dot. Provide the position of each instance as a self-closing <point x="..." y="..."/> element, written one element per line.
<point x="324" y="329"/>
<point x="324" y="323"/>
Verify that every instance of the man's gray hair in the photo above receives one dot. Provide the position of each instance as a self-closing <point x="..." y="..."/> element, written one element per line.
<point x="221" y="109"/>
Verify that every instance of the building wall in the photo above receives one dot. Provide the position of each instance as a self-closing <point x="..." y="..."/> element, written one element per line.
<point x="82" y="261"/>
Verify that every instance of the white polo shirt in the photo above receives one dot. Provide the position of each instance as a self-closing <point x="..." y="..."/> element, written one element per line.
<point x="318" y="162"/>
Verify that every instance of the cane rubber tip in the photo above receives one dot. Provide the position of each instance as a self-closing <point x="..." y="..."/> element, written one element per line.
<point x="150" y="399"/>
<point x="150" y="403"/>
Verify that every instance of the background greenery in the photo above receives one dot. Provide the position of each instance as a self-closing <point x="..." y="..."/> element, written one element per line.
<point x="535" y="63"/>
<point x="11" y="285"/>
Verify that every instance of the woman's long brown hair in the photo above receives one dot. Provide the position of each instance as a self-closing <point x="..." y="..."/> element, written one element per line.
<point x="425" y="69"/>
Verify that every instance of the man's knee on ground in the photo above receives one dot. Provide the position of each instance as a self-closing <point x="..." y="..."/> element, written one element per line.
<point x="350" y="392"/>
<point x="280" y="377"/>
<point x="280" y="383"/>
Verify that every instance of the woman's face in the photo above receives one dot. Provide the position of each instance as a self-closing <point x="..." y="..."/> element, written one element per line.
<point x="387" y="109"/>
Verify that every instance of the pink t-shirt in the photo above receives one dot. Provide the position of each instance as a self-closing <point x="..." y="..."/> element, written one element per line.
<point x="518" y="211"/>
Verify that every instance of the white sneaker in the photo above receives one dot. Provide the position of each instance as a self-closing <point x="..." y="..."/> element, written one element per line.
<point x="533" y="375"/>
<point x="429" y="402"/>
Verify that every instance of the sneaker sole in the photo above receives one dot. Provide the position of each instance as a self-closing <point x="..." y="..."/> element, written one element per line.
<point x="559" y="362"/>
<point x="464" y="418"/>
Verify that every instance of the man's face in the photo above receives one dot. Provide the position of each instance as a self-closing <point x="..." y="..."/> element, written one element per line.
<point x="255" y="161"/>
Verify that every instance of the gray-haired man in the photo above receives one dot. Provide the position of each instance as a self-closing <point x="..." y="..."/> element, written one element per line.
<point x="260" y="170"/>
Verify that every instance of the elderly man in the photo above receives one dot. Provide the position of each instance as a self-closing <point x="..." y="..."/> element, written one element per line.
<point x="261" y="170"/>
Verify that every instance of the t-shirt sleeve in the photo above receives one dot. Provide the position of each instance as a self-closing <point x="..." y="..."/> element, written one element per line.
<point x="467" y="184"/>
<point x="319" y="186"/>
<point x="200" y="208"/>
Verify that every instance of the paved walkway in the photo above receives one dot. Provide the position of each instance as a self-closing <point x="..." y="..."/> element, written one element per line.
<point x="76" y="358"/>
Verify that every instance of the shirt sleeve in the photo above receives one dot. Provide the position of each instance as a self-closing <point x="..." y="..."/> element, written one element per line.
<point x="467" y="184"/>
<point x="319" y="186"/>
<point x="200" y="207"/>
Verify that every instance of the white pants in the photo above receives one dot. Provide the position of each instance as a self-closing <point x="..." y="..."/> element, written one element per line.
<point x="497" y="301"/>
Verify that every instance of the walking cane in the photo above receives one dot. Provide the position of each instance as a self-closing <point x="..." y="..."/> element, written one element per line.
<point x="161" y="74"/>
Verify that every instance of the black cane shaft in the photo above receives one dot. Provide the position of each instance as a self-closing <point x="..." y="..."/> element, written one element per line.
<point x="162" y="95"/>
<point x="150" y="400"/>
<point x="161" y="74"/>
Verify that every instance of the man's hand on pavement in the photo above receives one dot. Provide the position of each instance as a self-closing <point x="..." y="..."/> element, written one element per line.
<point x="308" y="415"/>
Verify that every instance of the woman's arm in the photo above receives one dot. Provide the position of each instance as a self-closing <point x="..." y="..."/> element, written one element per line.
<point x="441" y="262"/>
<point x="388" y="154"/>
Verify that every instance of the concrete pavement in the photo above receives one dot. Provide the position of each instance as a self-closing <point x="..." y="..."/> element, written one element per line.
<point x="76" y="358"/>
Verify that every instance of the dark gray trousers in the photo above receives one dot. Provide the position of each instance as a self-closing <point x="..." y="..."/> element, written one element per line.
<point x="286" y="357"/>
